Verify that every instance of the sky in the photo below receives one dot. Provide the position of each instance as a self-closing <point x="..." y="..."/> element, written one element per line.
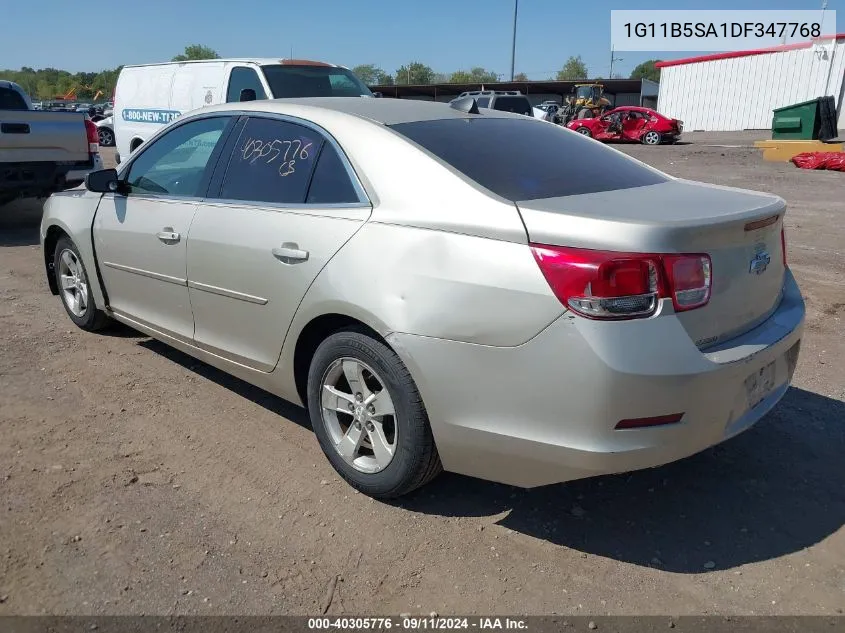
<point x="447" y="35"/>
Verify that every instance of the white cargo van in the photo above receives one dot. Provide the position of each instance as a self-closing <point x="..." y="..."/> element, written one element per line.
<point x="151" y="95"/>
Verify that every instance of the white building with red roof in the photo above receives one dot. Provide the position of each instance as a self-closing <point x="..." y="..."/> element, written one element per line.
<point x="739" y="90"/>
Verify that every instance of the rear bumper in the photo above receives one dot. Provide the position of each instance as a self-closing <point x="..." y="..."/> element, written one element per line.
<point x="545" y="412"/>
<point x="77" y="175"/>
<point x="43" y="178"/>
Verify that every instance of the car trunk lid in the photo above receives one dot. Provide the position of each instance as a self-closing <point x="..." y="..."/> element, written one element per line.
<point x="739" y="230"/>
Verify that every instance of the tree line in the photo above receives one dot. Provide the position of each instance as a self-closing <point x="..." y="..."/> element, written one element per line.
<point x="51" y="83"/>
<point x="417" y="73"/>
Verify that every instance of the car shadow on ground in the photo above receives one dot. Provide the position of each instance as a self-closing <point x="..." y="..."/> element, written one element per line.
<point x="272" y="403"/>
<point x="116" y="329"/>
<point x="772" y="491"/>
<point x="18" y="236"/>
<point x="19" y="222"/>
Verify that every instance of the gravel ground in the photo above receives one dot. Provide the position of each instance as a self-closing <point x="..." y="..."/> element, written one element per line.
<point x="134" y="479"/>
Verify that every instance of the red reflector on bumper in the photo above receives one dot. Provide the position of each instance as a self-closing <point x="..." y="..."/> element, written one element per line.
<point x="638" y="423"/>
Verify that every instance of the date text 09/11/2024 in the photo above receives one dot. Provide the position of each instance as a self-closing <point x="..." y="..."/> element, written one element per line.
<point x="417" y="623"/>
<point x="723" y="29"/>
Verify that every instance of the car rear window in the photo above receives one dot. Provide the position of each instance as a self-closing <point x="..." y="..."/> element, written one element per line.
<point x="526" y="159"/>
<point x="518" y="105"/>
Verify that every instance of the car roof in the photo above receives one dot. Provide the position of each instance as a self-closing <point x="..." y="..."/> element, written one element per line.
<point x="261" y="61"/>
<point x="635" y="108"/>
<point x="386" y="111"/>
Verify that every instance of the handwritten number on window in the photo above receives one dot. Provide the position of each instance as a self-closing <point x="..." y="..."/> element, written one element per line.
<point x="257" y="149"/>
<point x="286" y="168"/>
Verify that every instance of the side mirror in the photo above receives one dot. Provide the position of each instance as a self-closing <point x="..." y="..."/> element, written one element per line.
<point x="102" y="181"/>
<point x="247" y="94"/>
<point x="378" y="95"/>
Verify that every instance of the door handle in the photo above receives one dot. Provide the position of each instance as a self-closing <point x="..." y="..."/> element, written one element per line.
<point x="290" y="253"/>
<point x="167" y="235"/>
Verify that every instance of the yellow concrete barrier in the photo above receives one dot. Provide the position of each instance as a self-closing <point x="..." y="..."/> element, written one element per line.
<point x="783" y="150"/>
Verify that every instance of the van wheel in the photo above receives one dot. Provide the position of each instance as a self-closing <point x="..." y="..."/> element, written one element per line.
<point x="369" y="417"/>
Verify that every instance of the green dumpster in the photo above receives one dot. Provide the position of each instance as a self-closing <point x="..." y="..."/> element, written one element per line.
<point x="798" y="121"/>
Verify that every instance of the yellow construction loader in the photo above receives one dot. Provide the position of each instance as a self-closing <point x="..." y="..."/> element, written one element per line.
<point x="587" y="101"/>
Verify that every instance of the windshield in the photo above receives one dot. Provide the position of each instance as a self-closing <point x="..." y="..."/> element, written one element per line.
<point x="587" y="92"/>
<point x="313" y="81"/>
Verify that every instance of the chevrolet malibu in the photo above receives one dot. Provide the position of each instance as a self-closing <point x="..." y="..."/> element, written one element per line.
<point x="438" y="294"/>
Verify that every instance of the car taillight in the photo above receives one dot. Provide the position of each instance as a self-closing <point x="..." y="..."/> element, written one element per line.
<point x="689" y="280"/>
<point x="783" y="243"/>
<point x="93" y="137"/>
<point x="611" y="285"/>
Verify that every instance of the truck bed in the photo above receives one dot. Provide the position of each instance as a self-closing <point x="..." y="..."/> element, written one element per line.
<point x="34" y="136"/>
<point x="42" y="152"/>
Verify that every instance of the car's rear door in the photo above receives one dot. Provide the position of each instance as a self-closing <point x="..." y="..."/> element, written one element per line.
<point x="140" y="235"/>
<point x="283" y="204"/>
<point x="633" y="124"/>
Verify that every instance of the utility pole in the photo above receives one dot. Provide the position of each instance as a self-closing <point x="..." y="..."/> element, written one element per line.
<point x="824" y="8"/>
<point x="613" y="59"/>
<point x="513" y="43"/>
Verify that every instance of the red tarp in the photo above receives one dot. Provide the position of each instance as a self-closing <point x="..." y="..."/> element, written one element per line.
<point x="820" y="160"/>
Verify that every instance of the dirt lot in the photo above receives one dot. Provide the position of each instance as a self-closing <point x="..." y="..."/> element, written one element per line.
<point x="134" y="479"/>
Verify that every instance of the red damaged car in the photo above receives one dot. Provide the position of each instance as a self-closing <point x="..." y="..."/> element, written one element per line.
<point x="632" y="124"/>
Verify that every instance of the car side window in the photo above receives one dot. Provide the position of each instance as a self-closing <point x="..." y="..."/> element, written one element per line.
<point x="483" y="102"/>
<point x="271" y="162"/>
<point x="243" y="78"/>
<point x="331" y="183"/>
<point x="11" y="100"/>
<point x="175" y="163"/>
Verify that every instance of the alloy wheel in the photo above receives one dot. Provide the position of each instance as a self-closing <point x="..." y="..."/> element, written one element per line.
<point x="651" y="138"/>
<point x="73" y="282"/>
<point x="359" y="415"/>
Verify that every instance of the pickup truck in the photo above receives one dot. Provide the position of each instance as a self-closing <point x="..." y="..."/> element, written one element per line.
<point x="42" y="152"/>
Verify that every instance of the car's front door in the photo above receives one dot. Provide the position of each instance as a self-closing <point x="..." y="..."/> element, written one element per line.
<point x="280" y="209"/>
<point x="140" y="233"/>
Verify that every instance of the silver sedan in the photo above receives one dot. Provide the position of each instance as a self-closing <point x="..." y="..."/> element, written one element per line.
<point x="441" y="288"/>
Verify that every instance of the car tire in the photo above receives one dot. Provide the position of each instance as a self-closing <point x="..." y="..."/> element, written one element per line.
<point x="355" y="441"/>
<point x="585" y="131"/>
<point x="105" y="136"/>
<point x="651" y="138"/>
<point x="74" y="286"/>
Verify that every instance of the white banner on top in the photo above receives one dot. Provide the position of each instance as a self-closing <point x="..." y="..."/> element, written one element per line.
<point x="712" y="31"/>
